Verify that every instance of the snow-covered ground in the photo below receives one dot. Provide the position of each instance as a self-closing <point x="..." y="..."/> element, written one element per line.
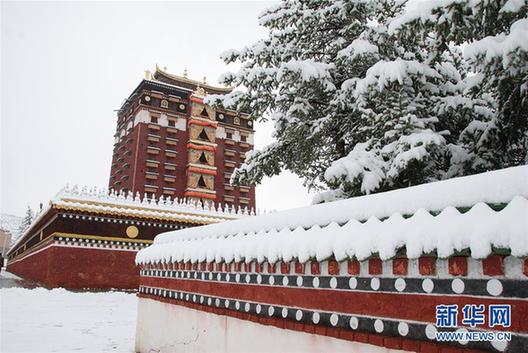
<point x="41" y="320"/>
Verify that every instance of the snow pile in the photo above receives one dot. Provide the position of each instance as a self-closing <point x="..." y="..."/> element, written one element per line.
<point x="361" y="226"/>
<point x="41" y="320"/>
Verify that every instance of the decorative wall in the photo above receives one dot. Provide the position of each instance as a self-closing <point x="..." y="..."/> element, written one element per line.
<point x="383" y="303"/>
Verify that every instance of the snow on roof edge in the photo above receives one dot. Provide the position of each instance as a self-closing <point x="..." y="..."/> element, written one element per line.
<point x="500" y="186"/>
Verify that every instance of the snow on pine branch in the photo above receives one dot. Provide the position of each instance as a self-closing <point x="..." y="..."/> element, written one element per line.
<point x="384" y="73"/>
<point x="307" y="70"/>
<point x="501" y="46"/>
<point x="361" y="163"/>
<point x="358" y="47"/>
<point x="374" y="167"/>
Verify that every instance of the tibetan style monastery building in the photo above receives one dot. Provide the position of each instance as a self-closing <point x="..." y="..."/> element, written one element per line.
<point x="169" y="146"/>
<point x="169" y="143"/>
<point x="89" y="239"/>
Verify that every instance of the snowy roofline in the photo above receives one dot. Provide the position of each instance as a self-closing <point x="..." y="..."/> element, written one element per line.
<point x="499" y="186"/>
<point x="103" y="200"/>
<point x="118" y="198"/>
<point x="374" y="224"/>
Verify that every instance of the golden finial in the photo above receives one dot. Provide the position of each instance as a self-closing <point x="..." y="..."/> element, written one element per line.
<point x="185" y="72"/>
<point x="165" y="68"/>
<point x="148" y="75"/>
<point x="199" y="91"/>
<point x="205" y="79"/>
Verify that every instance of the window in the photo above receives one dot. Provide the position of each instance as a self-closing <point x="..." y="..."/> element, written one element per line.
<point x="203" y="136"/>
<point x="154" y="119"/>
<point x="203" y="159"/>
<point x="201" y="182"/>
<point x="229" y="135"/>
<point x="172" y="123"/>
<point x="243" y="138"/>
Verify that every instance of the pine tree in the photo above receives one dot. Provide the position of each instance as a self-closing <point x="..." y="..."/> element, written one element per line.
<point x="26" y="221"/>
<point x="372" y="96"/>
<point x="495" y="48"/>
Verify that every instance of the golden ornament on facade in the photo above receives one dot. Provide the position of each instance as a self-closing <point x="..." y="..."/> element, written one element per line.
<point x="164" y="103"/>
<point x="199" y="91"/>
<point x="132" y="231"/>
<point x="236" y="120"/>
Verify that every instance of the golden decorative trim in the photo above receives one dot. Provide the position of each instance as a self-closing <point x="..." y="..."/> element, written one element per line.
<point x="199" y="142"/>
<point x="206" y="191"/>
<point x="132" y="231"/>
<point x="99" y="237"/>
<point x="194" y="82"/>
<point x="202" y="166"/>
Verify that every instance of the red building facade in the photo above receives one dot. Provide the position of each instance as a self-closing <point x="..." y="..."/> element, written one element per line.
<point x="168" y="143"/>
<point x="89" y="239"/>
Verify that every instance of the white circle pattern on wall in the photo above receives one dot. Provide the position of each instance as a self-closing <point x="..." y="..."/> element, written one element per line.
<point x="378" y="326"/>
<point x="316" y="317"/>
<point x="403" y="328"/>
<point x="354" y="323"/>
<point x="458" y="285"/>
<point x="334" y="319"/>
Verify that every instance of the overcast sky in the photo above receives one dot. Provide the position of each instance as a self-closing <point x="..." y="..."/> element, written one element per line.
<point x="66" y="67"/>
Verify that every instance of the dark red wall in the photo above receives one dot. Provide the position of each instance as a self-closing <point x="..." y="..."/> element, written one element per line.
<point x="79" y="268"/>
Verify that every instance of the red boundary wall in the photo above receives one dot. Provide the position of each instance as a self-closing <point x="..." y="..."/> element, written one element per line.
<point x="79" y="268"/>
<point x="384" y="303"/>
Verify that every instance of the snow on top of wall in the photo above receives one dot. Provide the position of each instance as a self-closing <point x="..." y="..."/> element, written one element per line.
<point x="369" y="224"/>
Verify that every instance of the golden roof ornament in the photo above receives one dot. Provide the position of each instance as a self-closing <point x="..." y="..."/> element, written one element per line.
<point x="148" y="75"/>
<point x="185" y="73"/>
<point x="199" y="91"/>
<point x="205" y="80"/>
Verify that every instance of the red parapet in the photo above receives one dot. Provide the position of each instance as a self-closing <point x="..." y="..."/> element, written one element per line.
<point x="196" y="99"/>
<point x="200" y="194"/>
<point x="203" y="123"/>
<point x="201" y="147"/>
<point x="201" y="170"/>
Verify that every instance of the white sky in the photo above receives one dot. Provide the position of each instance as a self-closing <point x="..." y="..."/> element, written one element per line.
<point x="66" y="66"/>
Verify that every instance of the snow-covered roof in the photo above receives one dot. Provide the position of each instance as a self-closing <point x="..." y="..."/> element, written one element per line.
<point x="421" y="218"/>
<point x="102" y="201"/>
<point x="184" y="210"/>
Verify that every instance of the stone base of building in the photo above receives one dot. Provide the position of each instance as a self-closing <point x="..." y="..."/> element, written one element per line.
<point x="55" y="265"/>
<point x="166" y="328"/>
